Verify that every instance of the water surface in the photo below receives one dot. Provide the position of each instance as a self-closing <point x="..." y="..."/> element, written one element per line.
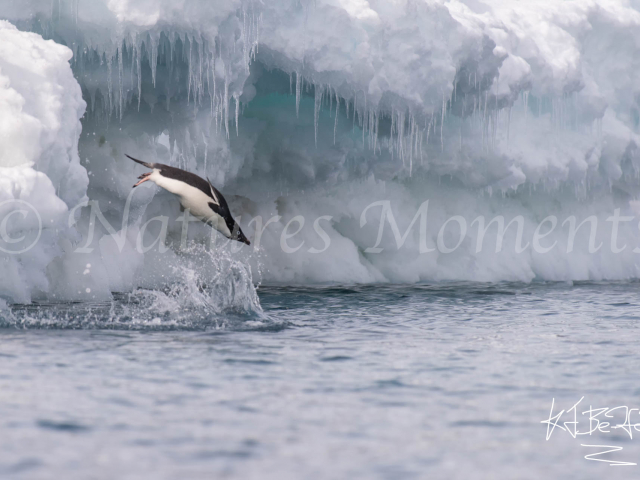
<point x="378" y="382"/>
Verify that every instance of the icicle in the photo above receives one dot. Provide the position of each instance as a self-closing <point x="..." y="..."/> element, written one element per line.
<point x="200" y="89"/>
<point x="154" y="58"/>
<point x="217" y="107"/>
<point x="415" y="136"/>
<point x="258" y="23"/>
<point x="482" y="122"/>
<point x="110" y="82"/>
<point x="486" y="100"/>
<point x="298" y="91"/>
<point x="370" y="128"/>
<point x="245" y="39"/>
<point x="400" y="124"/>
<point x="364" y="119"/>
<point x="237" y="113"/>
<point x="226" y="103"/>
<point x="209" y="71"/>
<point x="364" y="127"/>
<point x="377" y="126"/>
<point x="421" y="137"/>
<point x="475" y="100"/>
<point x="330" y="101"/>
<point x="393" y="121"/>
<point x="455" y="88"/>
<point x="316" y="110"/>
<point x="335" y="123"/>
<point x="216" y="112"/>
<point x="291" y="83"/>
<point x="411" y="132"/>
<point x="92" y="94"/>
<point x="442" y="123"/>
<point x="121" y="81"/>
<point x="213" y="73"/>
<point x="355" y="109"/>
<point x="539" y="106"/>
<point x="172" y="46"/>
<point x="189" y="68"/>
<point x="133" y="63"/>
<point x="206" y="150"/>
<point x="139" y="76"/>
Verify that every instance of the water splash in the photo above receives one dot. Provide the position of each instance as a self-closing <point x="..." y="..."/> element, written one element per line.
<point x="208" y="290"/>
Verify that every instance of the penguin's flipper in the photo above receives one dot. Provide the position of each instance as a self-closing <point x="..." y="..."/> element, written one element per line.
<point x="146" y="164"/>
<point x="213" y="192"/>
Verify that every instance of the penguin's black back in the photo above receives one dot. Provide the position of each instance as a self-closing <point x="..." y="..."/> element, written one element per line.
<point x="197" y="182"/>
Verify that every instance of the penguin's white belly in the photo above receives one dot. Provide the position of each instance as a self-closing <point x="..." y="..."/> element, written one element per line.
<point x="194" y="200"/>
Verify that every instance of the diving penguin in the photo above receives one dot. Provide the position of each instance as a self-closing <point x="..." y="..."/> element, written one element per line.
<point x="197" y="195"/>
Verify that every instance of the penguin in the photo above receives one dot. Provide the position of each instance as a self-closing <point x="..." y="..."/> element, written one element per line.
<point x="197" y="195"/>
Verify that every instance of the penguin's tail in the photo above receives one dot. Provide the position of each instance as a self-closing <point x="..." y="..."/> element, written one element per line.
<point x="146" y="164"/>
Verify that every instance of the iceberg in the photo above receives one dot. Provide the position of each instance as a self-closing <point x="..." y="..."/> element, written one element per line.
<point x="305" y="114"/>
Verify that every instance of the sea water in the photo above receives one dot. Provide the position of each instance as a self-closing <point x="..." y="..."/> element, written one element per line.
<point x="391" y="382"/>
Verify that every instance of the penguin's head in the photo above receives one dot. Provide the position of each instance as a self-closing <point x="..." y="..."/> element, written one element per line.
<point x="239" y="236"/>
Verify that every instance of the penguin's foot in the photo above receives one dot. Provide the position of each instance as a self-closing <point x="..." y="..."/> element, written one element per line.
<point x="143" y="178"/>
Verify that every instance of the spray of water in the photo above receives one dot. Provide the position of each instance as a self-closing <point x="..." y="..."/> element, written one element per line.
<point x="209" y="289"/>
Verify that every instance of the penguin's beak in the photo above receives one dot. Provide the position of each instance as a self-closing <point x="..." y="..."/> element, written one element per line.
<point x="241" y="238"/>
<point x="143" y="178"/>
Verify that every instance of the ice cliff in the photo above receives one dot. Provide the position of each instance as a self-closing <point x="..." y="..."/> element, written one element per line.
<point x="315" y="110"/>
